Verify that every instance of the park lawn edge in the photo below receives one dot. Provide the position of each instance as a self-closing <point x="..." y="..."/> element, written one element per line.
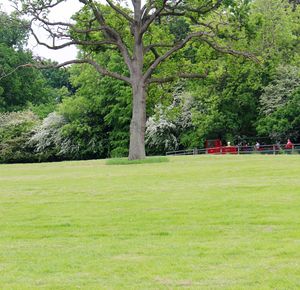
<point x="125" y="161"/>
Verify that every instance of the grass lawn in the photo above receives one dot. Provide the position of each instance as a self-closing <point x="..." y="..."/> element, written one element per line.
<point x="197" y="222"/>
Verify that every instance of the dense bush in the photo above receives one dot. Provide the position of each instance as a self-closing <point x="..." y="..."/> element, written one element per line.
<point x="15" y="132"/>
<point x="84" y="129"/>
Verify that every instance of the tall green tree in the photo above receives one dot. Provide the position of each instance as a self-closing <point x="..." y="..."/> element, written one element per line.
<point x="98" y="115"/>
<point x="230" y="101"/>
<point x="279" y="118"/>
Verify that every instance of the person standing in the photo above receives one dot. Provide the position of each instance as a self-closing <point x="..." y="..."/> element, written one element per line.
<point x="289" y="146"/>
<point x="257" y="145"/>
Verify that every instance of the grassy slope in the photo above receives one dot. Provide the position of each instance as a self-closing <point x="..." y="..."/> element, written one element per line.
<point x="210" y="222"/>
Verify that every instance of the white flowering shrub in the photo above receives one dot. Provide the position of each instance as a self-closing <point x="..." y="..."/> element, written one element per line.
<point x="280" y="90"/>
<point x="161" y="133"/>
<point x="164" y="128"/>
<point x="58" y="139"/>
<point x="48" y="136"/>
<point x="13" y="119"/>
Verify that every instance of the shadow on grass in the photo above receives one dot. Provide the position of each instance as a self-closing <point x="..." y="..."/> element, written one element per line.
<point x="125" y="161"/>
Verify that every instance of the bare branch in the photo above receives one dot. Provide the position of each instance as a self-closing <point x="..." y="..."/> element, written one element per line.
<point x="100" y="69"/>
<point x="178" y="76"/>
<point x="14" y="70"/>
<point x="72" y="42"/>
<point x="66" y="25"/>
<point x="178" y="9"/>
<point x="175" y="48"/>
<point x="39" y="6"/>
<point x="120" y="11"/>
<point x="111" y="36"/>
<point x="231" y="51"/>
<point x="110" y="32"/>
<point x="155" y="53"/>
<point x="154" y="45"/>
<point x="146" y="8"/>
<point x="149" y="19"/>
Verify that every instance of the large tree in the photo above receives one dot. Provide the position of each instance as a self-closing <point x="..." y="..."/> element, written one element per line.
<point x="146" y="36"/>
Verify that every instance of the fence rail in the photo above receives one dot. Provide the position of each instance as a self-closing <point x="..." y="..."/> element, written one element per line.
<point x="263" y="149"/>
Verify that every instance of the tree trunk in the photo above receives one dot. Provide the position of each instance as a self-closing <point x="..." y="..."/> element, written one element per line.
<point x="138" y="121"/>
<point x="138" y="118"/>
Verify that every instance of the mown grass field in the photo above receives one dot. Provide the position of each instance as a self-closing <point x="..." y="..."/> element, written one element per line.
<point x="204" y="222"/>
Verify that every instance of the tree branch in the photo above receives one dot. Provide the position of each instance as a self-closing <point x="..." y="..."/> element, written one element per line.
<point x="178" y="76"/>
<point x="110" y="32"/>
<point x="120" y="11"/>
<point x="227" y="50"/>
<point x="99" y="69"/>
<point x="175" y="48"/>
<point x="154" y="45"/>
<point x="72" y="42"/>
<point x="182" y="10"/>
<point x="15" y="69"/>
<point x="147" y="20"/>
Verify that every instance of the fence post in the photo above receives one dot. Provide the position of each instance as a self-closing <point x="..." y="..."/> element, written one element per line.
<point x="238" y="149"/>
<point x="274" y="150"/>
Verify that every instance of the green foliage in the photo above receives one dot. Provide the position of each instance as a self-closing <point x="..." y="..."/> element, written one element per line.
<point x="84" y="128"/>
<point x="225" y="104"/>
<point x="57" y="78"/>
<point x="228" y="103"/>
<point x="25" y="85"/>
<point x="19" y="88"/>
<point x="280" y="105"/>
<point x="277" y="93"/>
<point x="284" y="122"/>
<point x="179" y="28"/>
<point x="13" y="30"/>
<point x="98" y="116"/>
<point x="276" y="31"/>
<point x="44" y="109"/>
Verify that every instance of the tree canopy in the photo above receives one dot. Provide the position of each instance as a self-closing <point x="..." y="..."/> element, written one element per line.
<point x="20" y="84"/>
